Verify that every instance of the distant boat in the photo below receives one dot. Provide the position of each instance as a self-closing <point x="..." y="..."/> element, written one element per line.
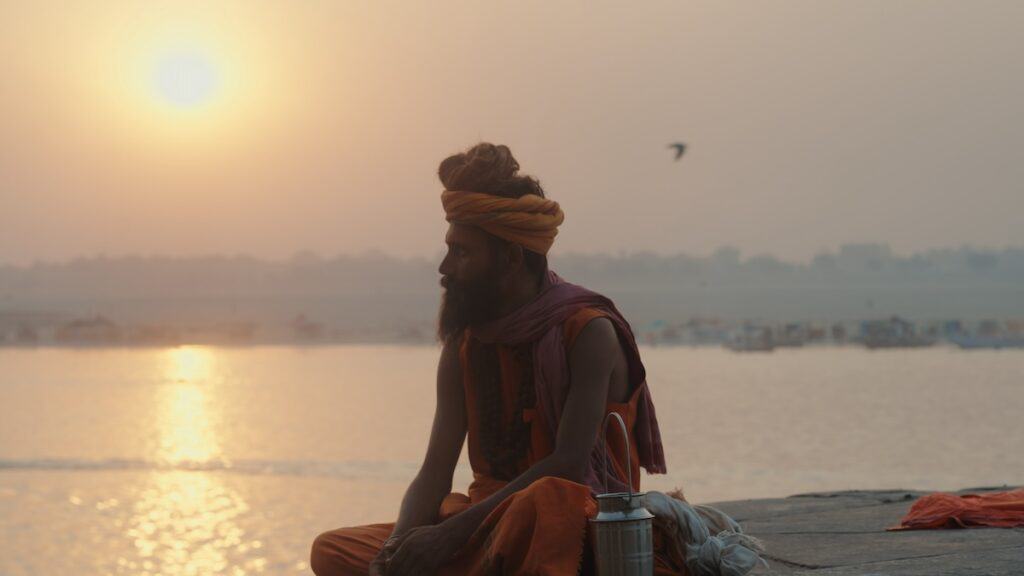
<point x="894" y="332"/>
<point x="751" y="339"/>
<point x="897" y="341"/>
<point x="973" y="342"/>
<point x="791" y="336"/>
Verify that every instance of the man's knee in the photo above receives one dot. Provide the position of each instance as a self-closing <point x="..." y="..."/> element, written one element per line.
<point x="326" y="557"/>
<point x="348" y="551"/>
<point x="319" y="555"/>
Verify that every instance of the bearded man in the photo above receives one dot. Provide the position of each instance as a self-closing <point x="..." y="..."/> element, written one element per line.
<point x="530" y="366"/>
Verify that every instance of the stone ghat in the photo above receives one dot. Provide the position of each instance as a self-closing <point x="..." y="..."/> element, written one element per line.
<point x="844" y="533"/>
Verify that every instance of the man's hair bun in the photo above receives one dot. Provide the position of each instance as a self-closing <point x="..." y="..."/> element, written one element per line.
<point x="488" y="169"/>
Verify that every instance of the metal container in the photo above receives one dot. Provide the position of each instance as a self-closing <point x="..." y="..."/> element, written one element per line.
<point x="621" y="534"/>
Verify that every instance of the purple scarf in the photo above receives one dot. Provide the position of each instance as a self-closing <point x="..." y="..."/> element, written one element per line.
<point x="540" y="321"/>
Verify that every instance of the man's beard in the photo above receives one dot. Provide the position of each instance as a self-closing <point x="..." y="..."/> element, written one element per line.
<point x="469" y="303"/>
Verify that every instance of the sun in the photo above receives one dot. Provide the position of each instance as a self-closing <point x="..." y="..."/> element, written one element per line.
<point x="185" y="79"/>
<point x="197" y="82"/>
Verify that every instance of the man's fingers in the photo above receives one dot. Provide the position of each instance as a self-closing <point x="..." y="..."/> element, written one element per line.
<point x="394" y="563"/>
<point x="387" y="551"/>
<point x="398" y="563"/>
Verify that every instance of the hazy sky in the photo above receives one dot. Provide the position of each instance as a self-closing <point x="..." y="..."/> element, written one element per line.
<point x="268" y="128"/>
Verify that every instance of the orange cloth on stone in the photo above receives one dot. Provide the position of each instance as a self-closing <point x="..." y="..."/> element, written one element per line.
<point x="540" y="530"/>
<point x="529" y="220"/>
<point x="944" y="510"/>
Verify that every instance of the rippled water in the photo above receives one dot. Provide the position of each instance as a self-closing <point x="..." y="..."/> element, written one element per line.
<point x="202" y="460"/>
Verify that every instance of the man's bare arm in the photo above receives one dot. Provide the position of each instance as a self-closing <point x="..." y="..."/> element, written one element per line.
<point x="591" y="361"/>
<point x="434" y="480"/>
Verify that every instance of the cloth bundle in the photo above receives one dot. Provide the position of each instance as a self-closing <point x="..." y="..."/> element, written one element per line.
<point x="1003" y="509"/>
<point x="712" y="543"/>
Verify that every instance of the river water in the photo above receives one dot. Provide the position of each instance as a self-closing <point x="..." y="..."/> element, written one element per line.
<point x="209" y="460"/>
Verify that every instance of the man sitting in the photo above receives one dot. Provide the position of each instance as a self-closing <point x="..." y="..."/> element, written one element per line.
<point x="530" y="366"/>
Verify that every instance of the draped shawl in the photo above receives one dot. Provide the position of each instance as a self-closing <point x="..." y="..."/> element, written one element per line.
<point x="540" y="321"/>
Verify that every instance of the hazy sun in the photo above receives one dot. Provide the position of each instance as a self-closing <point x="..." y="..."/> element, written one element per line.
<point x="189" y="81"/>
<point x="185" y="79"/>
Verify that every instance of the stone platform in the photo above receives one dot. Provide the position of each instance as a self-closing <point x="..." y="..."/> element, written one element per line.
<point x="844" y="533"/>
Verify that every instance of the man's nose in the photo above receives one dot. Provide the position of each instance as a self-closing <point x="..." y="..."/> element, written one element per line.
<point x="445" y="268"/>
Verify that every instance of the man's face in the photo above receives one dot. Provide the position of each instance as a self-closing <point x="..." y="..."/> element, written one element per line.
<point x="471" y="275"/>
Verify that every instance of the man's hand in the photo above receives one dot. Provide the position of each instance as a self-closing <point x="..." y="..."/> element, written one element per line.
<point x="378" y="565"/>
<point x="422" y="550"/>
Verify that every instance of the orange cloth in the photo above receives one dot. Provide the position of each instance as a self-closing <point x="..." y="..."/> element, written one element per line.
<point x="944" y="510"/>
<point x="542" y="439"/>
<point x="540" y="530"/>
<point x="529" y="220"/>
<point x="524" y="534"/>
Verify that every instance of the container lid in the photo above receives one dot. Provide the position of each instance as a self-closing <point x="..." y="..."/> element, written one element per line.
<point x="619" y="506"/>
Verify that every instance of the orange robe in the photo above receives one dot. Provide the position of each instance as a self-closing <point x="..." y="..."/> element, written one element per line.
<point x="539" y="530"/>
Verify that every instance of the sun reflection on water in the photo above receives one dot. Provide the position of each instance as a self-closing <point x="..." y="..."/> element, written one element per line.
<point x="186" y="411"/>
<point x="186" y="521"/>
<point x="189" y="363"/>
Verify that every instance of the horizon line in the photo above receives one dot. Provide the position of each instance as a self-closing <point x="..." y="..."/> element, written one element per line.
<point x="313" y="255"/>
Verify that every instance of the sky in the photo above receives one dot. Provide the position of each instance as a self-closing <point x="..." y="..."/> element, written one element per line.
<point x="269" y="128"/>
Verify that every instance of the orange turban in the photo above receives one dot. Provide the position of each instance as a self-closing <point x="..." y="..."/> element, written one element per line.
<point x="529" y="220"/>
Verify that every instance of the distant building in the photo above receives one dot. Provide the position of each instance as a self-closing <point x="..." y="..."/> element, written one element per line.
<point x="305" y="329"/>
<point x="153" y="334"/>
<point x="25" y="334"/>
<point x="97" y="330"/>
<point x="863" y="257"/>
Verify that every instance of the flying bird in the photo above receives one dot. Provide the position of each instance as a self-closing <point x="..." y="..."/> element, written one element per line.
<point x="680" y="148"/>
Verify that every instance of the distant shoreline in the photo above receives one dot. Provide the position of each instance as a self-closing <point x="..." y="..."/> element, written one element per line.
<point x="405" y="344"/>
<point x="68" y="330"/>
